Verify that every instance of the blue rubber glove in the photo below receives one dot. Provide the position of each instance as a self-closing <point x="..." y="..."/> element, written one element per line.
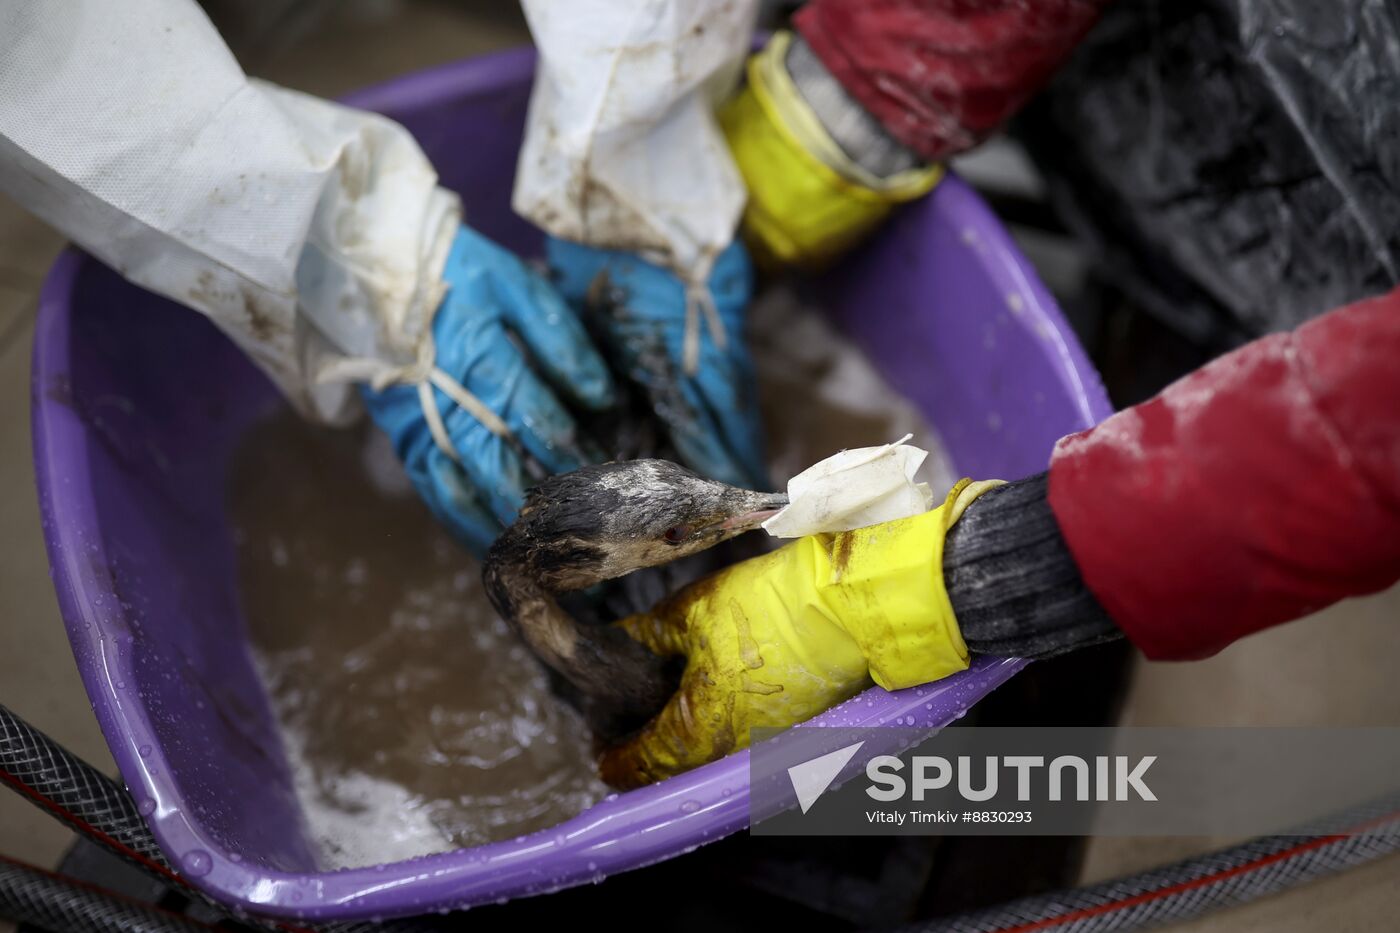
<point x="712" y="417"/>
<point x="491" y="296"/>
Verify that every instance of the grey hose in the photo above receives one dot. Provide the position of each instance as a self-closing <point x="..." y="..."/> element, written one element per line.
<point x="1190" y="888"/>
<point x="36" y="897"/>
<point x="77" y="794"/>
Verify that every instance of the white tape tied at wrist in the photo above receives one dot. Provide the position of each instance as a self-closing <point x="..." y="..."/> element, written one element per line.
<point x="700" y="302"/>
<point x="424" y="374"/>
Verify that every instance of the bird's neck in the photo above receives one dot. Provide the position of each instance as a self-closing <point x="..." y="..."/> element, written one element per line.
<point x="621" y="684"/>
<point x="523" y="600"/>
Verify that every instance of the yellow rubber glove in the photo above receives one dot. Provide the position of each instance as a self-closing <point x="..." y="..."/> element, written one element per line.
<point x="774" y="640"/>
<point x="808" y="201"/>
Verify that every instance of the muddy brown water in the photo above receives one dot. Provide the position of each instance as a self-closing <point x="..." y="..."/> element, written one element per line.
<point x="413" y="718"/>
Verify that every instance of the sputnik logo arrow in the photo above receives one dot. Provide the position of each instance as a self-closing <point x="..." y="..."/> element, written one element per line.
<point x="811" y="778"/>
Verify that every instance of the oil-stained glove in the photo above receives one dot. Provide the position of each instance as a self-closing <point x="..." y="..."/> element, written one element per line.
<point x="697" y="374"/>
<point x="820" y="171"/>
<point x="469" y="462"/>
<point x="776" y="639"/>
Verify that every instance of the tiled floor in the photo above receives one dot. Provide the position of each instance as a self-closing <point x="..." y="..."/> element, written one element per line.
<point x="1336" y="668"/>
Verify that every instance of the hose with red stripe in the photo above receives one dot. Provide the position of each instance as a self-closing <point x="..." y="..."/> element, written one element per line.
<point x="1187" y="889"/>
<point x="86" y="800"/>
<point x="48" y="901"/>
<point x="77" y="794"/>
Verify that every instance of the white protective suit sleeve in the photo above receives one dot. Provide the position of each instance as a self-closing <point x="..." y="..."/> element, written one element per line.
<point x="313" y="234"/>
<point x="621" y="149"/>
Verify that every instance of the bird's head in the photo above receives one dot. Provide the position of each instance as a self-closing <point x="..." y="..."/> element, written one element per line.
<point x="602" y="522"/>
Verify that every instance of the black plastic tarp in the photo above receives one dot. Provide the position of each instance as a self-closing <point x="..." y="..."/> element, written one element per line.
<point x="1235" y="164"/>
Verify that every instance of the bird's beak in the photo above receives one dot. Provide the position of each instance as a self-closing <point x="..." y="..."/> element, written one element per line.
<point x="757" y="509"/>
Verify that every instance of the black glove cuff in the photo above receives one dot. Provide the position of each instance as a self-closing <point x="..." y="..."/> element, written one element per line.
<point x="1013" y="583"/>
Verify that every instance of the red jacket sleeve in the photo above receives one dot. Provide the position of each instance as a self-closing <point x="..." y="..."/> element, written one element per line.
<point x="1258" y="489"/>
<point x="942" y="75"/>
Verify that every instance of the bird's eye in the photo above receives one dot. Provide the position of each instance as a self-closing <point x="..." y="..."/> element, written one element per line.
<point x="677" y="534"/>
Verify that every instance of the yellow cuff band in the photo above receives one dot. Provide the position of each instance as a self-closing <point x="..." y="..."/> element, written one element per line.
<point x="886" y="589"/>
<point x="808" y="201"/>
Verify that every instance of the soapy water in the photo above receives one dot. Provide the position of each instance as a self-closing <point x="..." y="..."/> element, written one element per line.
<point x="413" y="719"/>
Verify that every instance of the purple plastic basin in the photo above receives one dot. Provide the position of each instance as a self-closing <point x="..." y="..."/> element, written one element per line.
<point x="138" y="404"/>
